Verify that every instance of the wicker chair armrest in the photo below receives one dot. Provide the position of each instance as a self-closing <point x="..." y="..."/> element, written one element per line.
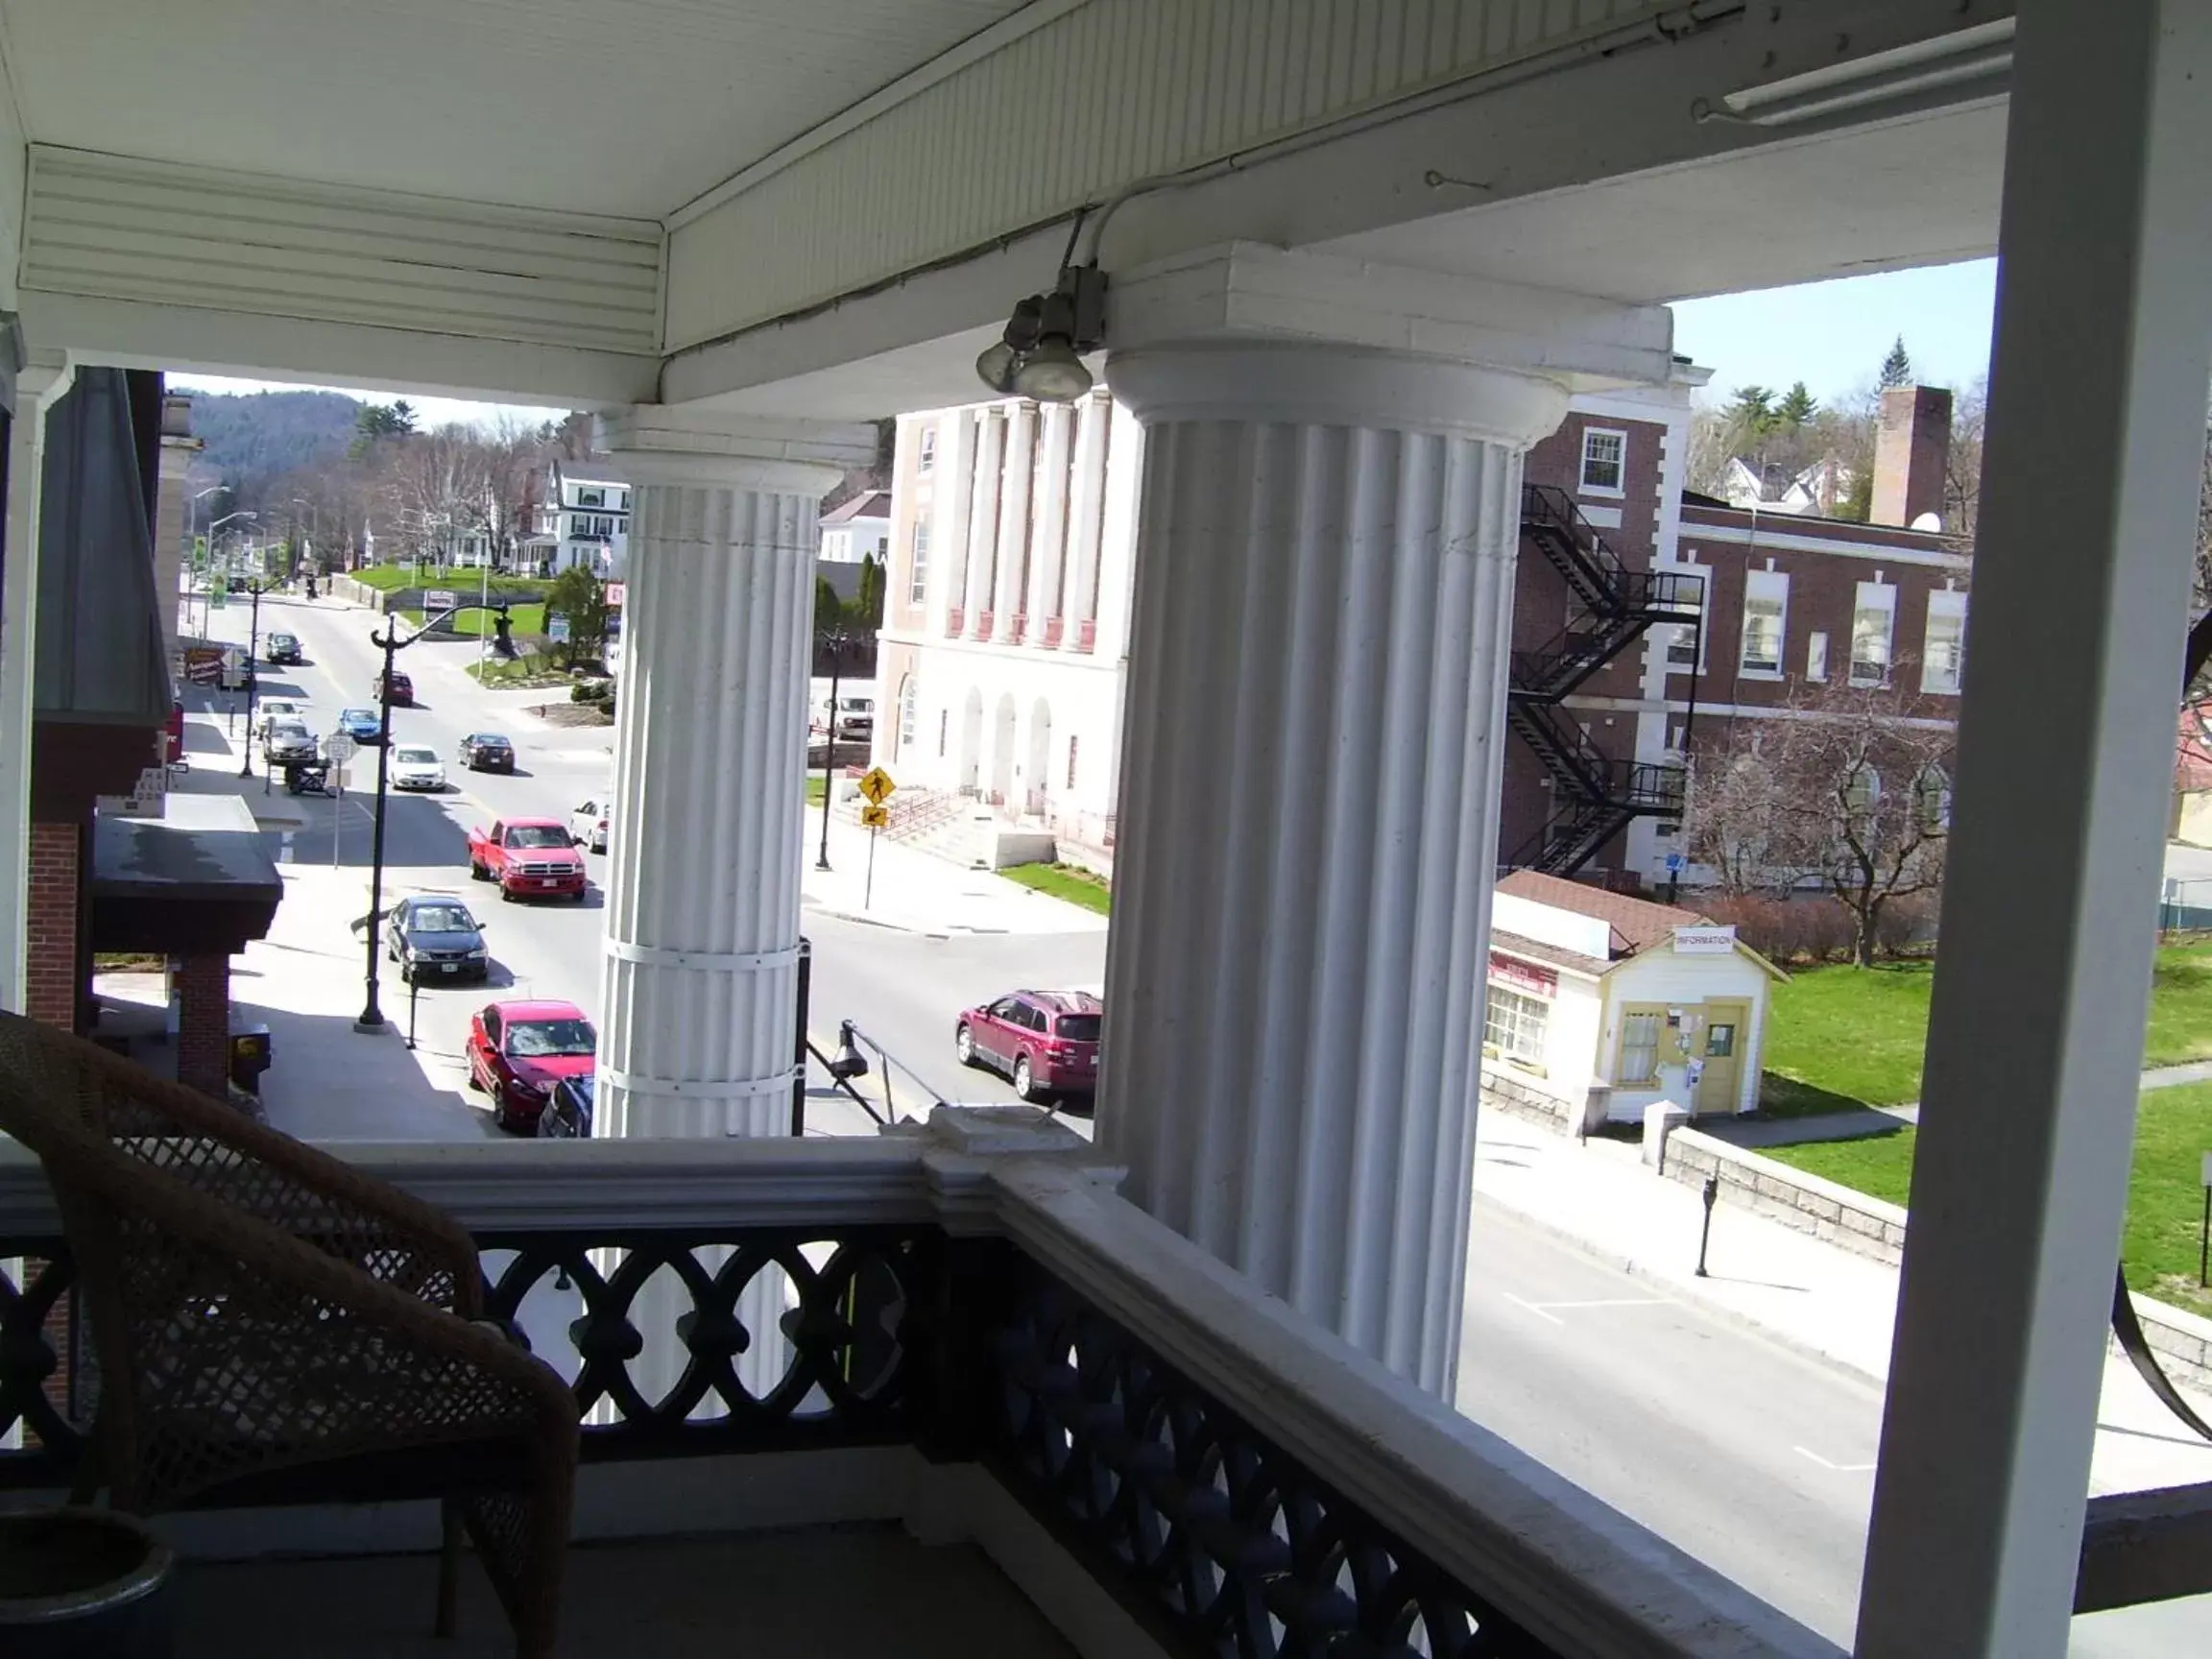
<point x="368" y="1365"/>
<point x="388" y="1233"/>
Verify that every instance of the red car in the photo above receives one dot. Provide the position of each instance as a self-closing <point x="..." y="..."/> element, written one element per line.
<point x="1046" y="1041"/>
<point x="529" y="858"/>
<point x="519" y="1050"/>
<point x="402" y="688"/>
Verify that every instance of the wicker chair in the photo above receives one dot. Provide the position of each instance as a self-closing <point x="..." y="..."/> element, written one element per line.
<point x="270" y="1326"/>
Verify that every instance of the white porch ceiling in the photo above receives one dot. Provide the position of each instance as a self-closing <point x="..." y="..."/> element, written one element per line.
<point x="612" y="106"/>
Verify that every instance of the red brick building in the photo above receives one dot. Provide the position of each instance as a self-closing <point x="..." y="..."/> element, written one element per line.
<point x="1717" y="615"/>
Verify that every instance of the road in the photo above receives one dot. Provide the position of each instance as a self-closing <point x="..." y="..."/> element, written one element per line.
<point x="1752" y="1457"/>
<point x="904" y="990"/>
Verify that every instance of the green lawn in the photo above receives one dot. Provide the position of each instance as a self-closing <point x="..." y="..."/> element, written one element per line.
<point x="1837" y="1037"/>
<point x="1065" y="881"/>
<point x="817" y="791"/>
<point x="531" y="668"/>
<point x="2166" y="1194"/>
<point x="463" y="584"/>
<point x="473" y="624"/>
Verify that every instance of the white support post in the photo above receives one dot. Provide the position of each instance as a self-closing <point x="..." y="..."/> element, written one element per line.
<point x="1019" y="477"/>
<point x="2066" y="748"/>
<point x="1310" y="774"/>
<point x="38" y="387"/>
<point x="983" y="550"/>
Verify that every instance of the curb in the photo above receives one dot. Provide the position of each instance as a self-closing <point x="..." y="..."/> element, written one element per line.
<point x="1629" y="1265"/>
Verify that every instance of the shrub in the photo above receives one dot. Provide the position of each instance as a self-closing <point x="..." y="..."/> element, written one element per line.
<point x="1809" y="928"/>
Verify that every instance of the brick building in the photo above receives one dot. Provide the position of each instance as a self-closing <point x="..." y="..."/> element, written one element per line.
<point x="1752" y="606"/>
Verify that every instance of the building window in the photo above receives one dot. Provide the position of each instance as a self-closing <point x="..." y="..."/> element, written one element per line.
<point x="1816" y="657"/>
<point x="1944" y="660"/>
<point x="1766" y="610"/>
<point x="907" y="700"/>
<point x="1640" y="1048"/>
<point x="926" y="462"/>
<point x="1933" y="800"/>
<point x="1686" y="645"/>
<point x="1872" y="621"/>
<point x="1070" y="762"/>
<point x="590" y="499"/>
<point x="1604" y="461"/>
<point x="1515" y="1025"/>
<point x="944" y="727"/>
<point x="918" y="577"/>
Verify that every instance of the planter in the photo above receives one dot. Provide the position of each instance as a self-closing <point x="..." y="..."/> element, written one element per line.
<point x="79" y="1583"/>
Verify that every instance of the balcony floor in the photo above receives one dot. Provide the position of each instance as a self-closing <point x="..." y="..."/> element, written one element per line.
<point x="814" y="1594"/>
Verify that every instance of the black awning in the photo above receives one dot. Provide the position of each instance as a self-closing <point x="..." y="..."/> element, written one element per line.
<point x="197" y="883"/>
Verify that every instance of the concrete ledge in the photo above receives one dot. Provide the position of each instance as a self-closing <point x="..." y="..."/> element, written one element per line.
<point x="1836" y="1214"/>
<point x="2182" y="1340"/>
<point x="1516" y="1100"/>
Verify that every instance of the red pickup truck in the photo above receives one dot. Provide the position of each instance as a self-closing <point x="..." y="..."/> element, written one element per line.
<point x="529" y="858"/>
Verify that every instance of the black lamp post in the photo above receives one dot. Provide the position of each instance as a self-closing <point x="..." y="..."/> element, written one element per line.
<point x="835" y="642"/>
<point x="253" y="679"/>
<point x="389" y="641"/>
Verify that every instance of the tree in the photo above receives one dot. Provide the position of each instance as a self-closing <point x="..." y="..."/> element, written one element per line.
<point x="1962" y="468"/>
<point x="579" y="595"/>
<point x="1797" y="408"/>
<point x="829" y="609"/>
<point x="1897" y="366"/>
<point x="1753" y="410"/>
<point x="1846" y="787"/>
<point x="868" y="602"/>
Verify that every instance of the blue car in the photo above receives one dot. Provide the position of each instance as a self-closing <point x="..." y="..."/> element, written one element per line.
<point x="362" y="725"/>
<point x="567" y="1115"/>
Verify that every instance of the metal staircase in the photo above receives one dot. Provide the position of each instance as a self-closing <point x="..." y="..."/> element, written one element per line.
<point x="1594" y="797"/>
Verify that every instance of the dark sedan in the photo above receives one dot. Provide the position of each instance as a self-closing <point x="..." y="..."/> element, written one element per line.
<point x="487" y="751"/>
<point x="283" y="649"/>
<point x="433" y="937"/>
<point x="567" y="1115"/>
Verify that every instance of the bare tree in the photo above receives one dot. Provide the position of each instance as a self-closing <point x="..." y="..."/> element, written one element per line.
<point x="1846" y="787"/>
<point x="1963" y="470"/>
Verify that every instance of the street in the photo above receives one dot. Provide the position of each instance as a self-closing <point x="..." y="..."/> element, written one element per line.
<point x="1748" y="1455"/>
<point x="904" y="990"/>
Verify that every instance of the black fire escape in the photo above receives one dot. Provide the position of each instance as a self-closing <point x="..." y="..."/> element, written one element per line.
<point x="1609" y="606"/>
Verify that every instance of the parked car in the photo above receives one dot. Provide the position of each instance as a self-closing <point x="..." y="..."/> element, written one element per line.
<point x="286" y="742"/>
<point x="270" y="709"/>
<point x="591" y="824"/>
<point x="433" y="937"/>
<point x="567" y="1115"/>
<point x="487" y="751"/>
<point x="401" y="691"/>
<point x="855" y="719"/>
<point x="283" y="649"/>
<point x="415" y="767"/>
<point x="362" y="725"/>
<point x="1046" y="1041"/>
<point x="529" y="858"/>
<point x="520" y="1052"/>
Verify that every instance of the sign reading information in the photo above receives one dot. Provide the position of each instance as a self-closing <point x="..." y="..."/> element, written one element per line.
<point x="1704" y="941"/>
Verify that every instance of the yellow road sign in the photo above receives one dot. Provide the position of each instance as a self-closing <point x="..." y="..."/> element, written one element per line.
<point x="876" y="817"/>
<point x="877" y="786"/>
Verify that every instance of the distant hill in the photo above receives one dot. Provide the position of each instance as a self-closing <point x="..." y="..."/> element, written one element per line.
<point x="253" y="437"/>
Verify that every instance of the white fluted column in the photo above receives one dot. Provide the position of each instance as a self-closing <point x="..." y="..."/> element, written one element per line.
<point x="701" y="979"/>
<point x="1308" y="816"/>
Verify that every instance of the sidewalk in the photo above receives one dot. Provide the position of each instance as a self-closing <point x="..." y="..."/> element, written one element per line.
<point x="921" y="893"/>
<point x="1789" y="1287"/>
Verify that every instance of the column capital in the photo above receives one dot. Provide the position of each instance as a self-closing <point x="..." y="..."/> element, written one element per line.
<point x="1246" y="331"/>
<point x="671" y="443"/>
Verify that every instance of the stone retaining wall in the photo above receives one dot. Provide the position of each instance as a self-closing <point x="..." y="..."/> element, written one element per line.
<point x="1518" y="1100"/>
<point x="1869" y="1227"/>
<point x="1852" y="1220"/>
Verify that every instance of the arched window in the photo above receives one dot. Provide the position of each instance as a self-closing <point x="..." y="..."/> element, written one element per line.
<point x="909" y="694"/>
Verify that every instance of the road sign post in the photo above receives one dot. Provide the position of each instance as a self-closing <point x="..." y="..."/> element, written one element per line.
<point x="876" y="817"/>
<point x="2204" y="1233"/>
<point x="338" y="749"/>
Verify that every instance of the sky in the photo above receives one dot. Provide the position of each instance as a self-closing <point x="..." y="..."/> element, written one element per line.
<point x="430" y="413"/>
<point x="1831" y="335"/>
<point x="1834" y="335"/>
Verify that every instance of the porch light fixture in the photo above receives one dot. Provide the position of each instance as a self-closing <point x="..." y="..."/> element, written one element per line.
<point x="1979" y="60"/>
<point x="1041" y="354"/>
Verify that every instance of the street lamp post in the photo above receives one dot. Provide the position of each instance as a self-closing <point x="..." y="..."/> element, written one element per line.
<point x="390" y="644"/>
<point x="254" y="588"/>
<point x="208" y="534"/>
<point x="835" y="644"/>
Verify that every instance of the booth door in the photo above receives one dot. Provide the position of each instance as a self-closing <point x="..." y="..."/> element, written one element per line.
<point x="1722" y="1051"/>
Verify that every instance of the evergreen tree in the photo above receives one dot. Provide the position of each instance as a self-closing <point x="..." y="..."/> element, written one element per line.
<point x="1897" y="366"/>
<point x="868" y="603"/>
<point x="1753" y="410"/>
<point x="829" y="609"/>
<point x="1797" y="407"/>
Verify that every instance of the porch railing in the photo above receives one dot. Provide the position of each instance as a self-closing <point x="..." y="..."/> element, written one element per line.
<point x="1238" y="1480"/>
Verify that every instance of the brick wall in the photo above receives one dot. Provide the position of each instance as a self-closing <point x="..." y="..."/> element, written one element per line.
<point x="50" y="987"/>
<point x="203" y="1024"/>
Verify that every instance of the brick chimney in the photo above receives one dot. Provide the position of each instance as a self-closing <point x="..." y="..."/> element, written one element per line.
<point x="1912" y="450"/>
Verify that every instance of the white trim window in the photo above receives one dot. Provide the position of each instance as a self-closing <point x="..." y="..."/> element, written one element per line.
<point x="1685" y="645"/>
<point x="910" y="698"/>
<point x="925" y="459"/>
<point x="1604" y="461"/>
<point x="1640" y="1048"/>
<point x="1873" y="627"/>
<point x="1816" y="656"/>
<point x="917" y="568"/>
<point x="1943" y="660"/>
<point x="1516" y="1025"/>
<point x="1765" y="620"/>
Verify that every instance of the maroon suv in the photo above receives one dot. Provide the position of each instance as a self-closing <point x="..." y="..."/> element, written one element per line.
<point x="1046" y="1041"/>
